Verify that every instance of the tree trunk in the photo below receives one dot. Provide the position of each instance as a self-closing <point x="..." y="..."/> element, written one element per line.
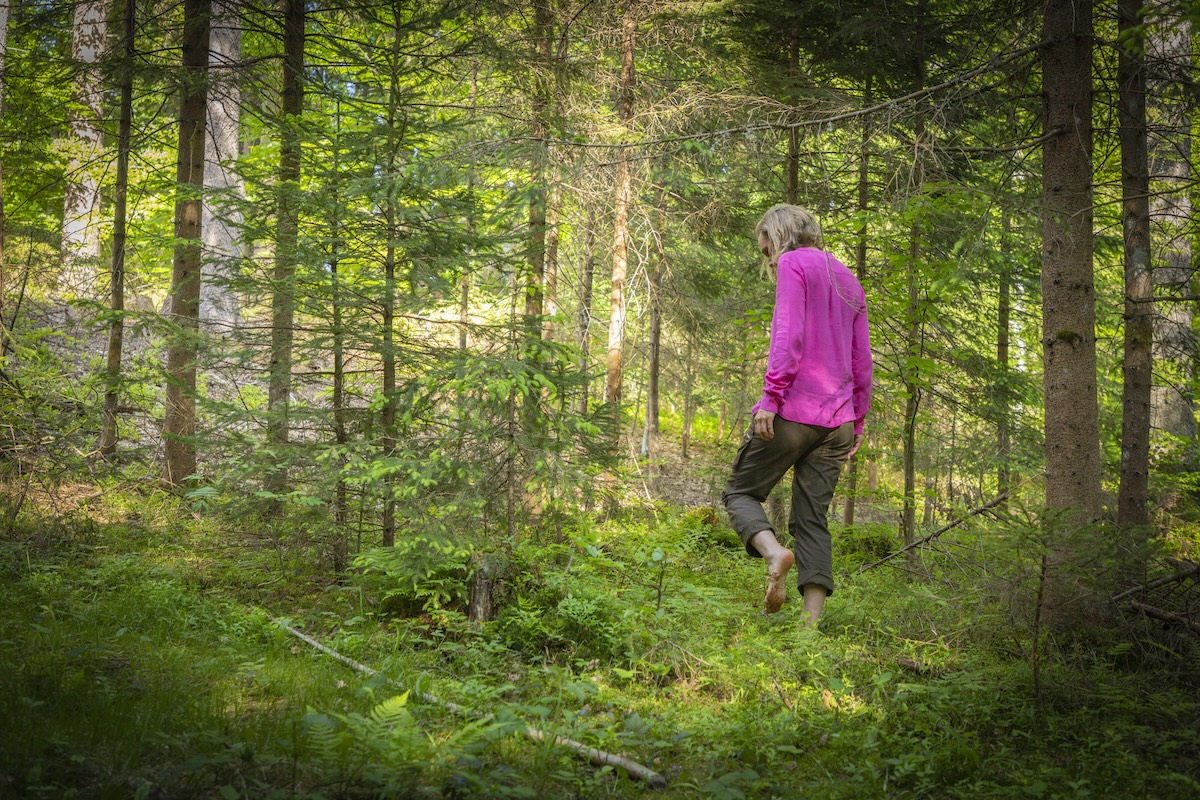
<point x="81" y="205"/>
<point x="222" y="221"/>
<point x="543" y="34"/>
<point x="283" y="297"/>
<point x="650" y="434"/>
<point x="622" y="201"/>
<point x="1068" y="292"/>
<point x="1170" y="52"/>
<point x="1139" y="288"/>
<point x="390" y="210"/>
<point x="3" y="219"/>
<point x="915" y="340"/>
<point x="792" y="167"/>
<point x="860" y="269"/>
<point x="116" y="331"/>
<point x="180" y="417"/>
<point x="1003" y="393"/>
<point x="584" y="318"/>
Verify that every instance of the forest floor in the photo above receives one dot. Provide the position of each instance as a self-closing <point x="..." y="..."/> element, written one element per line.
<point x="143" y="654"/>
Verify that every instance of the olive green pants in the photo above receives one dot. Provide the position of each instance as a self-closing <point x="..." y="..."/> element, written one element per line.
<point x="815" y="456"/>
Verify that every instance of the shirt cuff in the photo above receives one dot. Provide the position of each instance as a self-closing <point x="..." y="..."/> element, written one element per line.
<point x="767" y="404"/>
<point x="858" y="426"/>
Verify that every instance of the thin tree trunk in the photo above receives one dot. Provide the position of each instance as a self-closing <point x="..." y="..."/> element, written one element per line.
<point x="81" y="204"/>
<point x="3" y="218"/>
<point x="1068" y="292"/>
<point x="584" y="319"/>
<point x="1139" y="288"/>
<point x="341" y="509"/>
<point x="395" y="138"/>
<point x="283" y="298"/>
<point x="860" y="268"/>
<point x="792" y="167"/>
<point x="915" y="343"/>
<point x="180" y="417"/>
<point x="623" y="199"/>
<point x="1003" y="393"/>
<point x="1169" y="48"/>
<point x="116" y="331"/>
<point x="650" y="434"/>
<point x="543" y="33"/>
<point x="221" y="224"/>
<point x="550" y="300"/>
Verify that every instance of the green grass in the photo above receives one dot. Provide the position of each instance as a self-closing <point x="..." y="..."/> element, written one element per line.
<point x="141" y="657"/>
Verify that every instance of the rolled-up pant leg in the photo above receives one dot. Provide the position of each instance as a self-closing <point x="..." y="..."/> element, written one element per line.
<point x="760" y="465"/>
<point x="813" y="484"/>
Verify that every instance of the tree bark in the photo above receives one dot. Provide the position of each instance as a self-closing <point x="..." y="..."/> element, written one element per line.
<point x="3" y="218"/>
<point x="915" y="340"/>
<point x="622" y="201"/>
<point x="543" y="34"/>
<point x="81" y="205"/>
<point x="283" y="297"/>
<point x="116" y="330"/>
<point x="1072" y="428"/>
<point x="650" y="434"/>
<point x="1003" y="393"/>
<point x="1169" y="54"/>
<point x="221" y="224"/>
<point x="584" y="317"/>
<point x="860" y="269"/>
<point x="1139" y="288"/>
<point x="180" y="418"/>
<point x="395" y="140"/>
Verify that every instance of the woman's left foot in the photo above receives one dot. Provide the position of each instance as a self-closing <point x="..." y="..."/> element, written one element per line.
<point x="777" y="570"/>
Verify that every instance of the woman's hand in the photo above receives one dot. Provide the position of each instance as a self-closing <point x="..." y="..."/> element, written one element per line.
<point x="858" y="442"/>
<point x="764" y="425"/>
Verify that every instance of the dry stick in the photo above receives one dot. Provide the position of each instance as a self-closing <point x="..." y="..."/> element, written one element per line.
<point x="1166" y="616"/>
<point x="948" y="526"/>
<point x="1154" y="584"/>
<point x="598" y="757"/>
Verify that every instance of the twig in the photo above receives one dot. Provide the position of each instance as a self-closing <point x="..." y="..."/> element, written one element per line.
<point x="948" y="526"/>
<point x="782" y="697"/>
<point x="594" y="756"/>
<point x="1154" y="584"/>
<point x="1166" y="616"/>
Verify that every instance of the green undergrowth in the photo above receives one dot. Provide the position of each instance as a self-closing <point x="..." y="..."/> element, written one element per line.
<point x="142" y="654"/>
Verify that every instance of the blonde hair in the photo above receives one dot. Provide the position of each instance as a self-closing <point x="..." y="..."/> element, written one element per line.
<point x="788" y="227"/>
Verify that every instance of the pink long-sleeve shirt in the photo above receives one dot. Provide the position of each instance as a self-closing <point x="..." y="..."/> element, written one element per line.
<point x="819" y="367"/>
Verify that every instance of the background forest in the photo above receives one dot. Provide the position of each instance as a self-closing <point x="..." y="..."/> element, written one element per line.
<point x="429" y="329"/>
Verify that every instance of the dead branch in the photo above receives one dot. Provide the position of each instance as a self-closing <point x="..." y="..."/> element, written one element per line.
<point x="1166" y="616"/>
<point x="948" y="526"/>
<point x="599" y="758"/>
<point x="1154" y="584"/>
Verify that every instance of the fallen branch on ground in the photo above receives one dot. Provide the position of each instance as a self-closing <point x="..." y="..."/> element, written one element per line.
<point x="1166" y="616"/>
<point x="599" y="758"/>
<point x="1154" y="584"/>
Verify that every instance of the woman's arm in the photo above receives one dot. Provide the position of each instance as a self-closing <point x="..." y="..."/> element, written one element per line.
<point x="787" y="337"/>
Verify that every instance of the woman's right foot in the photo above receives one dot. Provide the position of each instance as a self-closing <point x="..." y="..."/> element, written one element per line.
<point x="777" y="570"/>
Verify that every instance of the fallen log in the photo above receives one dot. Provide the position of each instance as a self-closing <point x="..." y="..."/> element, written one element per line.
<point x="1166" y="616"/>
<point x="596" y="757"/>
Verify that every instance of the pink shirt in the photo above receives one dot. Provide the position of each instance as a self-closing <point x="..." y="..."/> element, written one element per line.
<point x="819" y="367"/>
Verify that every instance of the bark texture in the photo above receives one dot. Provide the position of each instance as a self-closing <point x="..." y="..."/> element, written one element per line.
<point x="180" y="419"/>
<point x="1068" y="293"/>
<point x="222" y="221"/>
<point x="1139" y="289"/>
<point x="622" y="201"/>
<point x="81" y="204"/>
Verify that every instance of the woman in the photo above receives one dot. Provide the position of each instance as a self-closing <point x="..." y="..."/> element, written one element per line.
<point x="816" y="394"/>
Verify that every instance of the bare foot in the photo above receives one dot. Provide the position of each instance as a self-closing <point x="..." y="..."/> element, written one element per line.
<point x="777" y="570"/>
